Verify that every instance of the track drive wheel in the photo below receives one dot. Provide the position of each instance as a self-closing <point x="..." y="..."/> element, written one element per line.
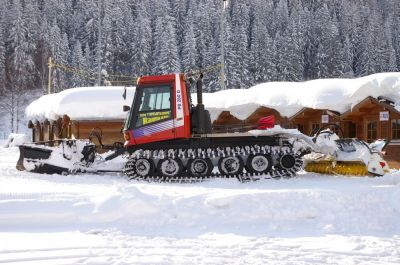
<point x="230" y="165"/>
<point x="170" y="167"/>
<point x="259" y="163"/>
<point x="139" y="168"/>
<point x="200" y="167"/>
<point x="289" y="164"/>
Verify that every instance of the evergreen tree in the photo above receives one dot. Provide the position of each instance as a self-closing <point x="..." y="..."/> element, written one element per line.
<point x="188" y="46"/>
<point x="169" y="62"/>
<point x="59" y="51"/>
<point x="141" y="44"/>
<point x="78" y="62"/>
<point x="386" y="61"/>
<point x="2" y="59"/>
<point x="21" y="63"/>
<point x="231" y="71"/>
<point x="43" y="52"/>
<point x="396" y="32"/>
<point x="346" y="61"/>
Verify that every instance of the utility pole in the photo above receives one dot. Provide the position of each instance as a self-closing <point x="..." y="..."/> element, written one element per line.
<point x="100" y="33"/>
<point x="50" y="65"/>
<point x="222" y="81"/>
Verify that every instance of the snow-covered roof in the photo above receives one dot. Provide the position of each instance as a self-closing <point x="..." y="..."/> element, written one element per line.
<point x="82" y="103"/>
<point x="290" y="97"/>
<point x="286" y="97"/>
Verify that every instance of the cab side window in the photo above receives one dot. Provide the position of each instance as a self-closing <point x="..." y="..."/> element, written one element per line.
<point x="155" y="105"/>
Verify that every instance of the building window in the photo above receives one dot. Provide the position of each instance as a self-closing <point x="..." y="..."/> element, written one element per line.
<point x="352" y="130"/>
<point x="395" y="129"/>
<point x="372" y="131"/>
<point x="300" y="127"/>
<point x="314" y="128"/>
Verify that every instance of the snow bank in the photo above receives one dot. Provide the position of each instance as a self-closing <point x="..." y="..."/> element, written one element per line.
<point x="290" y="97"/>
<point x="15" y="139"/>
<point x="82" y="103"/>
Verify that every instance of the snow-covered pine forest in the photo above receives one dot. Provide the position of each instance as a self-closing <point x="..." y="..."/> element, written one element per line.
<point x="264" y="40"/>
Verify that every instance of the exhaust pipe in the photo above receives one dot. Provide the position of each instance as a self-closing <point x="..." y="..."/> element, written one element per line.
<point x="199" y="88"/>
<point x="200" y="107"/>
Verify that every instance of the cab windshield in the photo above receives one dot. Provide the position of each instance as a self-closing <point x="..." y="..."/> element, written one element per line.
<point x="151" y="105"/>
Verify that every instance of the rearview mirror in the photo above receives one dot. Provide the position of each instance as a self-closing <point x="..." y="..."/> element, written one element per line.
<point x="126" y="108"/>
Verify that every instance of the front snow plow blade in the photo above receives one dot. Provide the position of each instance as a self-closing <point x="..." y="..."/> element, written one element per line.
<point x="337" y="168"/>
<point x="35" y="154"/>
<point x="60" y="159"/>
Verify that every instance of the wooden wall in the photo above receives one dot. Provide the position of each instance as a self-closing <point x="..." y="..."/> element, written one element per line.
<point x="366" y="117"/>
<point x="226" y="122"/>
<point x="392" y="154"/>
<point x="65" y="128"/>
<point x="308" y="121"/>
<point x="111" y="130"/>
<point x="263" y="112"/>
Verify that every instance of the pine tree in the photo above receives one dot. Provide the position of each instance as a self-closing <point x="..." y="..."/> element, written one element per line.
<point x="78" y="62"/>
<point x="30" y="17"/>
<point x="386" y="54"/>
<point x="262" y="48"/>
<point x="169" y="56"/>
<point x="2" y="58"/>
<point x="21" y="63"/>
<point x="188" y="46"/>
<point x="243" y="58"/>
<point x="325" y="60"/>
<point x="346" y="62"/>
<point x="59" y="51"/>
<point x="88" y="58"/>
<point x="367" y="43"/>
<point x="282" y="15"/>
<point x="231" y="71"/>
<point x="141" y="44"/>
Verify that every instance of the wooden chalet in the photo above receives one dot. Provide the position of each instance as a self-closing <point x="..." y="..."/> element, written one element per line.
<point x="372" y="119"/>
<point x="309" y="121"/>
<point x="226" y="122"/>
<point x="77" y="112"/>
<point x="262" y="111"/>
<point x="109" y="130"/>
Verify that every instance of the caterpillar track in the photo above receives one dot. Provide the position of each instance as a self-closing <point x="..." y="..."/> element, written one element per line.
<point x="246" y="163"/>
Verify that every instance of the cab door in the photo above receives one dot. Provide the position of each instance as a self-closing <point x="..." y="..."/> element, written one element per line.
<point x="154" y="114"/>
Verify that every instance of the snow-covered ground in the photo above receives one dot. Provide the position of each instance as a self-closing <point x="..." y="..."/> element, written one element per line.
<point x="89" y="219"/>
